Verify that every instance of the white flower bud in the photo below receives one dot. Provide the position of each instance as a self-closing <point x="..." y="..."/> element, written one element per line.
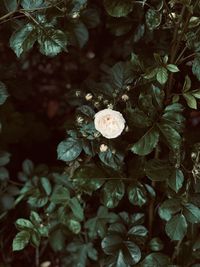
<point x="45" y="264"/>
<point x="90" y="55"/>
<point x="75" y="15"/>
<point x="96" y="104"/>
<point x="79" y="119"/>
<point x="89" y="96"/>
<point x="128" y="87"/>
<point x="103" y="148"/>
<point x="109" y="123"/>
<point x="110" y="106"/>
<point x="78" y="93"/>
<point x="125" y="97"/>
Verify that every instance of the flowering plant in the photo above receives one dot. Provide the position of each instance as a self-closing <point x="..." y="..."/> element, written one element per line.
<point x="119" y="89"/>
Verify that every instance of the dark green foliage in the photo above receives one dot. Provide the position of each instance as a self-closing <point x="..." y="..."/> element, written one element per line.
<point x="128" y="194"/>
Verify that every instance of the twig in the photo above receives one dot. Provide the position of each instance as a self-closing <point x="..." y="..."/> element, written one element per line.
<point x="37" y="257"/>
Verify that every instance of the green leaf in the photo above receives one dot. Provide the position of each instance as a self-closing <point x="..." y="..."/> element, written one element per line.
<point x="176" y="180"/>
<point x="196" y="93"/>
<point x="60" y="195"/>
<point x="80" y="253"/>
<point x="191" y="100"/>
<point x="138" y="231"/>
<point x="98" y="225"/>
<point x="35" y="239"/>
<point x="35" y="218"/>
<point x="4" y="158"/>
<point x="136" y="195"/>
<point x="169" y="208"/>
<point x="112" y="159"/>
<point x="57" y="240"/>
<point x="23" y="39"/>
<point x="32" y="4"/>
<point x="146" y="143"/>
<point x="176" y="227"/>
<point x="171" y="135"/>
<point x="11" y="5"/>
<point x="191" y="213"/>
<point x="118" y="8"/>
<point x="156" y="244"/>
<point x="196" y="67"/>
<point x="4" y="174"/>
<point x="121" y="75"/>
<point x="153" y="19"/>
<point x="187" y="84"/>
<point x="74" y="226"/>
<point x="27" y="167"/>
<point x="76" y="208"/>
<point x="3" y="93"/>
<point x="156" y="260"/>
<point x="46" y="185"/>
<point x="52" y="42"/>
<point x="69" y="149"/>
<point x="137" y="118"/>
<point x="123" y="253"/>
<point x="21" y="240"/>
<point x="79" y="34"/>
<point x="162" y="75"/>
<point x="111" y="193"/>
<point x="158" y="170"/>
<point x="172" y="68"/>
<point x="24" y="224"/>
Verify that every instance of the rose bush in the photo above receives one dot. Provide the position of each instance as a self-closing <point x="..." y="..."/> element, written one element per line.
<point x="112" y="89"/>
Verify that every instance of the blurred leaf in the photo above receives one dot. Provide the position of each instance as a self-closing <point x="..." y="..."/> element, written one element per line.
<point x="27" y="167"/>
<point x="4" y="158"/>
<point x="172" y="68"/>
<point x="98" y="225"/>
<point x="21" y="240"/>
<point x="76" y="208"/>
<point x="3" y="93"/>
<point x="187" y="84"/>
<point x="11" y="5"/>
<point x="153" y="19"/>
<point x="168" y="208"/>
<point x="69" y="149"/>
<point x="112" y="159"/>
<point x="111" y="193"/>
<point x="136" y="195"/>
<point x="196" y="67"/>
<point x="79" y="34"/>
<point x="118" y="8"/>
<point x="191" y="101"/>
<point x="146" y="143"/>
<point x="24" y="224"/>
<point x="176" y="180"/>
<point x="191" y="213"/>
<point x="60" y="195"/>
<point x="156" y="244"/>
<point x="32" y="4"/>
<point x="23" y="39"/>
<point x="156" y="260"/>
<point x="46" y="185"/>
<point x="158" y="170"/>
<point x="52" y="42"/>
<point x="176" y="227"/>
<point x="161" y="75"/>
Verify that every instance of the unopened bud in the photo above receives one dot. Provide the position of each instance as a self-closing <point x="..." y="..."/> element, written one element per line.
<point x="125" y="97"/>
<point x="103" y="148"/>
<point x="88" y="97"/>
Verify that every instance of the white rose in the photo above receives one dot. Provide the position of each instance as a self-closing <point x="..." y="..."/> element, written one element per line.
<point x="109" y="123"/>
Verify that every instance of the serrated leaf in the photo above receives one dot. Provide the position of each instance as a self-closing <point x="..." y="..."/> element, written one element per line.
<point x="4" y="158"/>
<point x="112" y="159"/>
<point x="46" y="185"/>
<point x="171" y="135"/>
<point x="79" y="34"/>
<point x="196" y="67"/>
<point x="191" y="213"/>
<point x="176" y="180"/>
<point x="137" y="118"/>
<point x="76" y="208"/>
<point x="121" y="75"/>
<point x="168" y="208"/>
<point x="21" y="240"/>
<point x="118" y="8"/>
<point x="172" y="68"/>
<point x="60" y="195"/>
<point x="161" y="75"/>
<point x="191" y="100"/>
<point x="136" y="195"/>
<point x="146" y="143"/>
<point x="3" y="93"/>
<point x="52" y="42"/>
<point x="196" y="93"/>
<point x="153" y="19"/>
<point x="111" y="193"/>
<point x="176" y="227"/>
<point x="156" y="260"/>
<point x="187" y="84"/>
<point x="23" y="39"/>
<point x="24" y="224"/>
<point x="158" y="170"/>
<point x="156" y="244"/>
<point x="69" y="149"/>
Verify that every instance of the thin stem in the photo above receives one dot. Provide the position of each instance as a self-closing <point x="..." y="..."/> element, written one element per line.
<point x="176" y="250"/>
<point x="152" y="202"/>
<point x="37" y="257"/>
